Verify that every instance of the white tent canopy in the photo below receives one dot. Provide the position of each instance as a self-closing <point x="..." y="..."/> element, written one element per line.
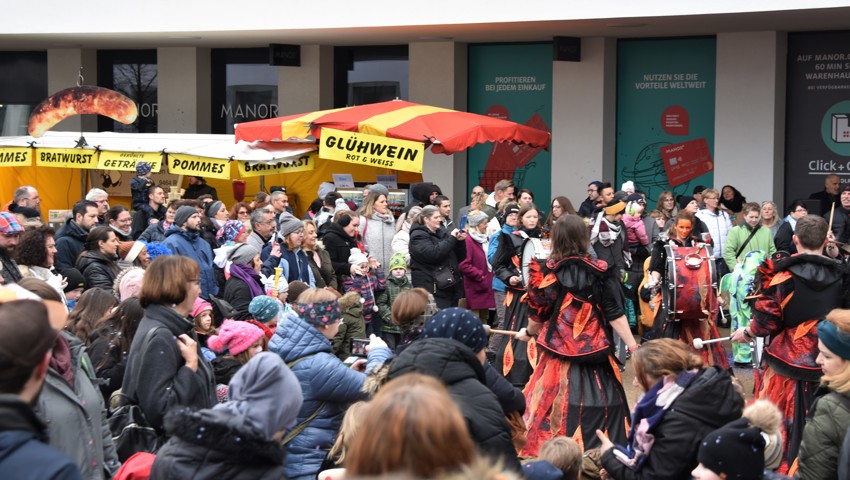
<point x="202" y="145"/>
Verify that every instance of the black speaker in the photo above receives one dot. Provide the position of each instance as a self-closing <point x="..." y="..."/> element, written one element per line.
<point x="566" y="49"/>
<point x="285" y="55"/>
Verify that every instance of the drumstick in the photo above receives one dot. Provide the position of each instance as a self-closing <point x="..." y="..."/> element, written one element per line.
<point x="699" y="343"/>
<point x="831" y="214"/>
<point x="492" y="331"/>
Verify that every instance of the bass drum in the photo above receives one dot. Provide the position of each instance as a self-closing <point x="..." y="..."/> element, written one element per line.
<point x="691" y="285"/>
<point x="533" y="248"/>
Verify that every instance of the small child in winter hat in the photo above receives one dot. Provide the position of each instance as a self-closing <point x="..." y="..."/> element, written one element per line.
<point x="235" y="337"/>
<point x="360" y="260"/>
<point x="263" y="308"/>
<point x="398" y="265"/>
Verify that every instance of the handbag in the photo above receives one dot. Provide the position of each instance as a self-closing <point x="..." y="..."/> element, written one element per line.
<point x="444" y="277"/>
<point x="131" y="431"/>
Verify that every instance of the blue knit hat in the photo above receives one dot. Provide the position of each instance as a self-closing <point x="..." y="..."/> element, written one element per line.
<point x="459" y="324"/>
<point x="156" y="249"/>
<point x="263" y="308"/>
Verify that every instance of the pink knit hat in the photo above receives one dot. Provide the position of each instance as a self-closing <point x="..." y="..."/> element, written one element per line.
<point x="129" y="282"/>
<point x="200" y="307"/>
<point x="234" y="337"/>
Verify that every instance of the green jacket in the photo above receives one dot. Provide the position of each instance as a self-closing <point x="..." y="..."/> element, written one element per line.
<point x="353" y="325"/>
<point x="762" y="240"/>
<point x="822" y="439"/>
<point x="385" y="301"/>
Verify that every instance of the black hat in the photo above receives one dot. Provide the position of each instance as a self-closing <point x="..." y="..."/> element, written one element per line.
<point x="684" y="200"/>
<point x="636" y="197"/>
<point x="698" y="189"/>
<point x="75" y="279"/>
<point x="736" y="450"/>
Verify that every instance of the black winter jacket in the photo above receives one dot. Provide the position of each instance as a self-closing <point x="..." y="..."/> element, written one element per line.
<point x="237" y="293"/>
<point x="338" y="245"/>
<point x="157" y="377"/>
<point x="70" y="241"/>
<point x="430" y="251"/>
<point x="225" y="449"/>
<point x="709" y="402"/>
<point x="98" y="270"/>
<point x="462" y="373"/>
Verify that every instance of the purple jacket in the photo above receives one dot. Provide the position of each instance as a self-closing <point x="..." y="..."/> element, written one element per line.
<point x="477" y="278"/>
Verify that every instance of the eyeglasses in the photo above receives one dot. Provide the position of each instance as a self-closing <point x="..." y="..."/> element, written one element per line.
<point x="592" y="190"/>
<point x="668" y="199"/>
<point x="242" y="212"/>
<point x="800" y="210"/>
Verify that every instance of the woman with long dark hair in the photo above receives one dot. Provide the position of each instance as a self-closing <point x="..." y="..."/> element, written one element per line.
<point x="732" y="200"/>
<point x="511" y="356"/>
<point x="35" y="255"/>
<point x="92" y="306"/>
<point x="110" y="344"/>
<point x="98" y="262"/>
<point x="575" y="304"/>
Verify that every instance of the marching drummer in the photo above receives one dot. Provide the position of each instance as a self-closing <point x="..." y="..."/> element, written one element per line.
<point x="682" y="237"/>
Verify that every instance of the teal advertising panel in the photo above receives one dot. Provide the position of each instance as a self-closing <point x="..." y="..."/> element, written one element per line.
<point x="512" y="82"/>
<point x="817" y="115"/>
<point x="665" y="114"/>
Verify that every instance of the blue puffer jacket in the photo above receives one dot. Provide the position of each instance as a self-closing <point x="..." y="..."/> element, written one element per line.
<point x="191" y="245"/>
<point x="498" y="285"/>
<point x="323" y="378"/>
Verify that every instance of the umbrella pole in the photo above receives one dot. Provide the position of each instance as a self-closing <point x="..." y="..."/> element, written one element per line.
<point x="263" y="183"/>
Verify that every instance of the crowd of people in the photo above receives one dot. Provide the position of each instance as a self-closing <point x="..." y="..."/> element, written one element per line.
<point x="355" y="343"/>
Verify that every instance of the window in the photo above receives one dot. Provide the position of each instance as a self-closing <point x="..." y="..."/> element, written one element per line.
<point x="365" y="75"/>
<point x="23" y="85"/>
<point x="244" y="87"/>
<point x="134" y="74"/>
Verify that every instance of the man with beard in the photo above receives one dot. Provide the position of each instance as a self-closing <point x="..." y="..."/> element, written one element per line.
<point x="197" y="187"/>
<point x="71" y="238"/>
<point x="183" y="238"/>
<point x="26" y="202"/>
<point x="841" y="217"/>
<point x="10" y="230"/>
<point x="588" y="206"/>
<point x="25" y="354"/>
<point x="150" y="213"/>
<point x="101" y="198"/>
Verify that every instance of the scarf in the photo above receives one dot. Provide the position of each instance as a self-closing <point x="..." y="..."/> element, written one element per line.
<point x="648" y="414"/>
<point x="479" y="237"/>
<point x="248" y="275"/>
<point x="531" y="232"/>
<point x="384" y="217"/>
<point x="606" y="236"/>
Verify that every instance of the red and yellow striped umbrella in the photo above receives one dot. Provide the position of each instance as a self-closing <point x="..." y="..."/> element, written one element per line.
<point x="446" y="131"/>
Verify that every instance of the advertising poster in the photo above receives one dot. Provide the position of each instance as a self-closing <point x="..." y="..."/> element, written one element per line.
<point x="817" y="130"/>
<point x="512" y="82"/>
<point x="665" y="114"/>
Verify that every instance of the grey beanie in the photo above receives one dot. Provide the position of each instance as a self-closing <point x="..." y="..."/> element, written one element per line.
<point x="243" y="253"/>
<point x="182" y="214"/>
<point x="213" y="208"/>
<point x="475" y="219"/>
<point x="378" y="188"/>
<point x="266" y="394"/>
<point x="288" y="224"/>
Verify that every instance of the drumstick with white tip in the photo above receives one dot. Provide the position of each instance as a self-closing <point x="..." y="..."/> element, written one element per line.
<point x="699" y="343"/>
<point x="492" y="331"/>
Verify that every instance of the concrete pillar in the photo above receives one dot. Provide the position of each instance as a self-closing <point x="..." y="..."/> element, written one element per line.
<point x="749" y="128"/>
<point x="584" y="119"/>
<point x="438" y="77"/>
<point x="63" y="67"/>
<point x="310" y="86"/>
<point x="183" y="90"/>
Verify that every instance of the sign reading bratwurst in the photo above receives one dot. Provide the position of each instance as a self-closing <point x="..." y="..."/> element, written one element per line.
<point x="198" y="166"/>
<point x="372" y="150"/>
<point x="304" y="163"/>
<point x="66" y="158"/>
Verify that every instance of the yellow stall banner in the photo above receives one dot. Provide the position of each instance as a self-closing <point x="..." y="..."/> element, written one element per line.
<point x="78" y="158"/>
<point x="304" y="163"/>
<point x="126" y="161"/>
<point x="198" y="166"/>
<point x="15" y="156"/>
<point x="372" y="150"/>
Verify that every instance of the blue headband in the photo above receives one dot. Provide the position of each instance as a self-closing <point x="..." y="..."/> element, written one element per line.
<point x="835" y="340"/>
